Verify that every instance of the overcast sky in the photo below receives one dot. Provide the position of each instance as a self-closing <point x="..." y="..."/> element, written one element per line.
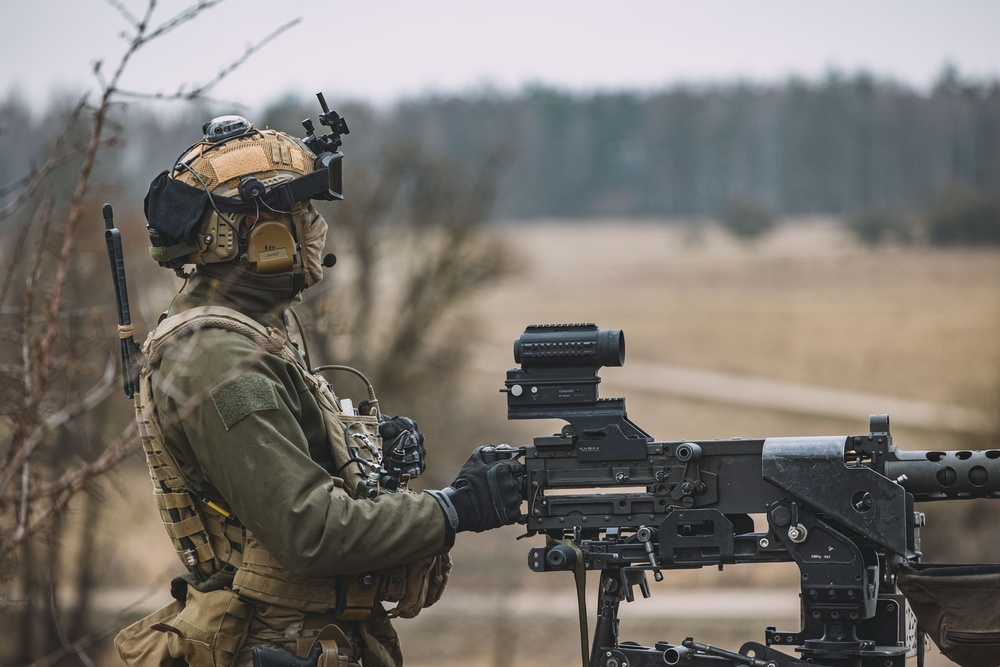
<point x="380" y="50"/>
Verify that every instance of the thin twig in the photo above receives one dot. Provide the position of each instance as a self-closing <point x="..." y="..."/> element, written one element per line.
<point x="252" y="49"/>
<point x="11" y="266"/>
<point x="74" y="482"/>
<point x="126" y="14"/>
<point x="36" y="436"/>
<point x="112" y="627"/>
<point x="181" y="18"/>
<point x="55" y="159"/>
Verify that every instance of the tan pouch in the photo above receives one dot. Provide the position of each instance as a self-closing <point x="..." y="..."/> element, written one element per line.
<point x="358" y="595"/>
<point x="210" y="629"/>
<point x="140" y="645"/>
<point x="417" y="585"/>
<point x="379" y="644"/>
<point x="334" y="648"/>
<point x="353" y="438"/>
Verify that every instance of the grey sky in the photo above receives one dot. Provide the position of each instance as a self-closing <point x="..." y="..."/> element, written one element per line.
<point x="383" y="49"/>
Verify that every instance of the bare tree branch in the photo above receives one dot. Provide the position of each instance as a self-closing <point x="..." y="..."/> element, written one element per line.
<point x="8" y="278"/>
<point x="183" y="17"/>
<point x="37" y="177"/>
<point x="123" y="10"/>
<point x="199" y="92"/>
<point x="47" y="459"/>
<point x="71" y="484"/>
<point x="91" y="399"/>
<point x="252" y="49"/>
<point x="111" y="628"/>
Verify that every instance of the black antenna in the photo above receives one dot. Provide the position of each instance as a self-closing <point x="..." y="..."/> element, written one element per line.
<point x="132" y="357"/>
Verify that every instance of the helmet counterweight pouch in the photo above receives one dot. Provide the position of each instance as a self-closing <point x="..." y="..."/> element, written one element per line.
<point x="270" y="247"/>
<point x="957" y="605"/>
<point x="219" y="240"/>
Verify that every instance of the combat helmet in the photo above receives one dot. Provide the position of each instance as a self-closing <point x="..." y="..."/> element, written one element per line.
<point x="242" y="195"/>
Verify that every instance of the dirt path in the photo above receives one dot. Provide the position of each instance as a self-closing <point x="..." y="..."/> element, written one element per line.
<point x="669" y="380"/>
<point x="757" y="392"/>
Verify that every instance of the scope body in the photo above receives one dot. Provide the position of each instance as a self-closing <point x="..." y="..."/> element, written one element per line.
<point x="569" y="345"/>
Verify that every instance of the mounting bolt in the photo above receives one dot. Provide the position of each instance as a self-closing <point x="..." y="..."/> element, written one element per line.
<point x="797" y="533"/>
<point x="780" y="516"/>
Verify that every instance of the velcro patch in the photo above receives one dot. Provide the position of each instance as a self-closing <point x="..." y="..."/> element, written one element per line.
<point x="239" y="162"/>
<point x="240" y="396"/>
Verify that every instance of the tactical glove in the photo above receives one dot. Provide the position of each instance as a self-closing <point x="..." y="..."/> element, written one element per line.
<point x="403" y="445"/>
<point x="486" y="456"/>
<point x="487" y="492"/>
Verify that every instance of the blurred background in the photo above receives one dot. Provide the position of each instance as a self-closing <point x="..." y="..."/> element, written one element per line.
<point x="793" y="211"/>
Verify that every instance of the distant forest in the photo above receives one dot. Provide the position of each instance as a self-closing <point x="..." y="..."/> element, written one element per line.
<point x="843" y="145"/>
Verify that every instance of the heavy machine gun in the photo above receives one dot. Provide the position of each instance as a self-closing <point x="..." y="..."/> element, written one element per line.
<point x="608" y="497"/>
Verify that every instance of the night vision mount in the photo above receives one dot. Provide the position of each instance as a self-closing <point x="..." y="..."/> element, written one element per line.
<point x="327" y="143"/>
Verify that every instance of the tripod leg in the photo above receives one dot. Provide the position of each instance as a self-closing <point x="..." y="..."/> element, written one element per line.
<point x="606" y="629"/>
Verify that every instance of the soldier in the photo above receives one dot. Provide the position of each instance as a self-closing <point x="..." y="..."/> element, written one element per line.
<point x="273" y="490"/>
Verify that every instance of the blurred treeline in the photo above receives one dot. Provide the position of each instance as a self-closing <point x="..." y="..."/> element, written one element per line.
<point x="896" y="163"/>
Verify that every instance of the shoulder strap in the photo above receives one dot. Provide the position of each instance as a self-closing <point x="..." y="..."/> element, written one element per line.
<point x="219" y="317"/>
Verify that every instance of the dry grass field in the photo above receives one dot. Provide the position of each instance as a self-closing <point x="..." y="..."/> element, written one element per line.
<point x="804" y="306"/>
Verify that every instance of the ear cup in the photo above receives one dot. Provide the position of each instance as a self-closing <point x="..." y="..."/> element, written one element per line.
<point x="270" y="247"/>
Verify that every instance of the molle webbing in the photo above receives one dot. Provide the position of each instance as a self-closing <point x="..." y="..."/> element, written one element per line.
<point x="181" y="517"/>
<point x="262" y="153"/>
<point x="259" y="576"/>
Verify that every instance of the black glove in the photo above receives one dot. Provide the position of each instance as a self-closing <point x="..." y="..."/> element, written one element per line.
<point x="403" y="451"/>
<point x="487" y="492"/>
<point x="485" y="456"/>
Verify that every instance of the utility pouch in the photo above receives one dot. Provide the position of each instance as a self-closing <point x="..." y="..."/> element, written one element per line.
<point x="141" y="645"/>
<point x="356" y="596"/>
<point x="957" y="606"/>
<point x="354" y="440"/>
<point x="210" y="629"/>
<point x="417" y="585"/>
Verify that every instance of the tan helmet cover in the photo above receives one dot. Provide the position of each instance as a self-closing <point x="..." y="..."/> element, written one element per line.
<point x="270" y="157"/>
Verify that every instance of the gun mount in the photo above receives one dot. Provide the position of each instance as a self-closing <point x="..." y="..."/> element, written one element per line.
<point x="608" y="497"/>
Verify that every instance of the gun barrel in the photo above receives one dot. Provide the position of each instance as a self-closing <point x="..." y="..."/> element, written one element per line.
<point x="947" y="475"/>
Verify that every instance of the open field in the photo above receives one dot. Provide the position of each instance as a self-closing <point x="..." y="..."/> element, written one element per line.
<point x="803" y="307"/>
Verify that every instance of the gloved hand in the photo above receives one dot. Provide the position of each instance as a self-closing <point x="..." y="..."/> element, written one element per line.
<point x="485" y="456"/>
<point x="403" y="450"/>
<point x="487" y="492"/>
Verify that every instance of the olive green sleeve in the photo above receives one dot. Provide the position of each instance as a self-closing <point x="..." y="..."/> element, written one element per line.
<point x="247" y="423"/>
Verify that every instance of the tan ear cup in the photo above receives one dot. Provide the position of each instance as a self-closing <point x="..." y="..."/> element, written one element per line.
<point x="270" y="247"/>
